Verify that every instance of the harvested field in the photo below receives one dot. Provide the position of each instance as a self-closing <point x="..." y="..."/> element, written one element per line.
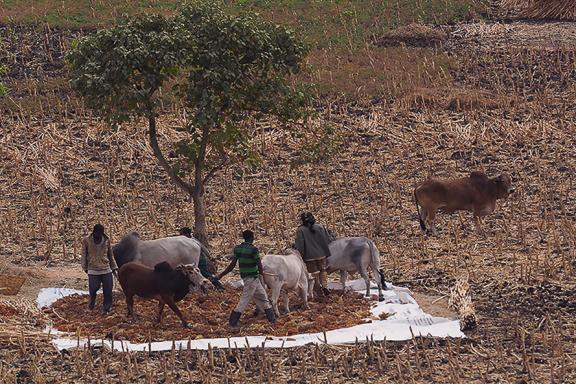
<point x="505" y="102"/>
<point x="207" y="315"/>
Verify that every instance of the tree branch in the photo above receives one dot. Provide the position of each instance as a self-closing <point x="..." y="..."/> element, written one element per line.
<point x="213" y="171"/>
<point x="186" y="187"/>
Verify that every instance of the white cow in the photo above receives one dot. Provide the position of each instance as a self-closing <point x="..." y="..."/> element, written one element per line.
<point x="283" y="272"/>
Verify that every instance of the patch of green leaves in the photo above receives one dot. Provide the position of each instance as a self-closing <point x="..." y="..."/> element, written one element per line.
<point x="228" y="71"/>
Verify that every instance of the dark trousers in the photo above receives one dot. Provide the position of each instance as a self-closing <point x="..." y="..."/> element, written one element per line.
<point x="94" y="283"/>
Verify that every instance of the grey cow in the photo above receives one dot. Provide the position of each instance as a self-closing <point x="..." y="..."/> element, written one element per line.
<point x="356" y="254"/>
<point x="175" y="250"/>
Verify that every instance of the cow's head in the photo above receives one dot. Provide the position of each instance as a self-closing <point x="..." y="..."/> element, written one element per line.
<point x="194" y="276"/>
<point x="504" y="185"/>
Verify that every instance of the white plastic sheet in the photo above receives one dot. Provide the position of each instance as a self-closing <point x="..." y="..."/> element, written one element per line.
<point x="407" y="320"/>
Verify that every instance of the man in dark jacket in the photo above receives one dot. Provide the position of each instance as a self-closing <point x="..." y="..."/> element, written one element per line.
<point x="312" y="242"/>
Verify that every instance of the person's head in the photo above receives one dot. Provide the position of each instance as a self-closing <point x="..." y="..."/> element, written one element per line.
<point x="248" y="236"/>
<point x="98" y="232"/>
<point x="307" y="218"/>
<point x="186" y="231"/>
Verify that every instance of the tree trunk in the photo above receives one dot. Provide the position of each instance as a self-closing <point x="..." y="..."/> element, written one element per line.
<point x="200" y="215"/>
<point x="195" y="191"/>
<point x="186" y="187"/>
<point x="198" y="192"/>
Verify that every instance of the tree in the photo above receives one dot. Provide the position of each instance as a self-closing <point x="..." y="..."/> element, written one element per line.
<point x="228" y="70"/>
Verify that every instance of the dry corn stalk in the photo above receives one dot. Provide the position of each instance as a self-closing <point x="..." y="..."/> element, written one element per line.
<point x="461" y="301"/>
<point x="49" y="178"/>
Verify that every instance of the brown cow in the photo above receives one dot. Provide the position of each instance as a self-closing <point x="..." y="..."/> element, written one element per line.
<point x="162" y="283"/>
<point x="477" y="193"/>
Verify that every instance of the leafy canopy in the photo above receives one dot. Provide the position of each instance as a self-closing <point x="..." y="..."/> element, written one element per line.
<point x="227" y="70"/>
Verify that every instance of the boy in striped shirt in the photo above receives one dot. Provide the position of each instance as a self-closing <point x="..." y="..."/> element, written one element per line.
<point x="248" y="258"/>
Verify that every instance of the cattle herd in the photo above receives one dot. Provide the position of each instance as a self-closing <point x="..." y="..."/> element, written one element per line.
<point x="166" y="269"/>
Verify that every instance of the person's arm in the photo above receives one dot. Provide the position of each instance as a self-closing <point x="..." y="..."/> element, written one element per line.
<point x="299" y="243"/>
<point x="113" y="265"/>
<point x="331" y="236"/>
<point x="228" y="269"/>
<point x="84" y="261"/>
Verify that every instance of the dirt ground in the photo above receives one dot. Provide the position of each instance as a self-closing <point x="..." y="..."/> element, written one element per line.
<point x="38" y="277"/>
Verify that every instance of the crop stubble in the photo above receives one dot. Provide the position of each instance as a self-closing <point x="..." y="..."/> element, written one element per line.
<point x="62" y="171"/>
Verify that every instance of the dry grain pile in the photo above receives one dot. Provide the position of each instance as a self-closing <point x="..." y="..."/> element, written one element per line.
<point x="414" y="34"/>
<point x="208" y="316"/>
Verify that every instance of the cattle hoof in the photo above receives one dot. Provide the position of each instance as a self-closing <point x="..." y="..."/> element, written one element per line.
<point x="186" y="325"/>
<point x="381" y="298"/>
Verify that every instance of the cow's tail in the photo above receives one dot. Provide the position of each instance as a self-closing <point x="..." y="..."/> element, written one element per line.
<point x="375" y="262"/>
<point x="422" y="223"/>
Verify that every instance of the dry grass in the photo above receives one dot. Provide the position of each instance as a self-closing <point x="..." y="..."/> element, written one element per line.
<point x="374" y="72"/>
<point x="456" y="99"/>
<point x="543" y="9"/>
<point x="62" y="170"/>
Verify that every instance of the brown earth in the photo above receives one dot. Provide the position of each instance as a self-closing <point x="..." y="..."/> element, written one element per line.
<point x="207" y="315"/>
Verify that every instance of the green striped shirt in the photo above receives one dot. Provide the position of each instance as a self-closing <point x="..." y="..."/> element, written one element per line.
<point x="247" y="256"/>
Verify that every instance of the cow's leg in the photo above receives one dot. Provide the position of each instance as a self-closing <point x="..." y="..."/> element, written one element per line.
<point x="343" y="275"/>
<point x="170" y="301"/>
<point x="160" y="310"/>
<point x="276" y="290"/>
<point x="430" y="221"/>
<point x="310" y="287"/>
<point x="304" y="292"/>
<point x="424" y="216"/>
<point x="364" y="274"/>
<point x="130" y="305"/>
<point x="286" y="302"/>
<point x="478" y="224"/>
<point x="381" y="284"/>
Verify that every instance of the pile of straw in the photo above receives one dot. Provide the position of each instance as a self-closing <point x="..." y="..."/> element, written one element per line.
<point x="543" y="9"/>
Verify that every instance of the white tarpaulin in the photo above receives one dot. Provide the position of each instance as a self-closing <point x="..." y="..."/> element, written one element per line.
<point x="407" y="320"/>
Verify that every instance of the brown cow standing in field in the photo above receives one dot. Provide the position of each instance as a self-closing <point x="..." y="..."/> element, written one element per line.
<point x="163" y="283"/>
<point x="477" y="193"/>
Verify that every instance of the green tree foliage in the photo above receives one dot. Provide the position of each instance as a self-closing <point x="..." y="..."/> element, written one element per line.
<point x="228" y="70"/>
